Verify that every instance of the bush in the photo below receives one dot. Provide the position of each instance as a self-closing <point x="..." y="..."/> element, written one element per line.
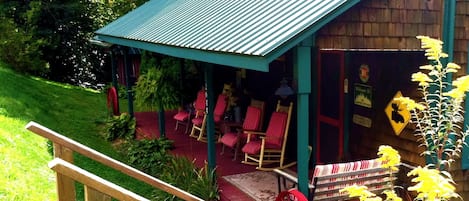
<point x="183" y="174"/>
<point x="20" y="49"/>
<point x="149" y="156"/>
<point x="122" y="126"/>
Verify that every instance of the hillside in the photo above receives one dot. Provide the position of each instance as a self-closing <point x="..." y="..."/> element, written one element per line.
<point x="72" y="111"/>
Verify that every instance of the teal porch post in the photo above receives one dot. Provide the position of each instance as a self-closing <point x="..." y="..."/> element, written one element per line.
<point x="210" y="122"/>
<point x="303" y="65"/>
<point x="127" y="67"/>
<point x="449" y="13"/>
<point x="465" y="149"/>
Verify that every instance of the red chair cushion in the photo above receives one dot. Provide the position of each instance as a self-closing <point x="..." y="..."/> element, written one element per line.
<point x="230" y="139"/>
<point x="200" y="101"/>
<point x="197" y="121"/>
<point x="252" y="119"/>
<point x="276" y="130"/>
<point x="252" y="147"/>
<point x="181" y="116"/>
<point x="220" y="107"/>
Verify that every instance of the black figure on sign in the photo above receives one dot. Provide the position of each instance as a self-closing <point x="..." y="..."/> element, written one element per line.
<point x="396" y="117"/>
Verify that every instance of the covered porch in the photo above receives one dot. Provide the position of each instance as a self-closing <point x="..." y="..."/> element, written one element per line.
<point x="239" y="34"/>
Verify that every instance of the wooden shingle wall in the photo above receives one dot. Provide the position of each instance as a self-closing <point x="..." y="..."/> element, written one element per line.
<point x="461" y="32"/>
<point x="383" y="24"/>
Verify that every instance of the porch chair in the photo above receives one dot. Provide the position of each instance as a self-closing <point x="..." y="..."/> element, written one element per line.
<point x="184" y="117"/>
<point x="199" y="123"/>
<point x="269" y="147"/>
<point x="252" y="122"/>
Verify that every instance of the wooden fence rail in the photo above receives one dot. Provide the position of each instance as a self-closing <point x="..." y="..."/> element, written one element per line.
<point x="64" y="148"/>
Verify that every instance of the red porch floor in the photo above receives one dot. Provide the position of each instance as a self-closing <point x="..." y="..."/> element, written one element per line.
<point x="147" y="124"/>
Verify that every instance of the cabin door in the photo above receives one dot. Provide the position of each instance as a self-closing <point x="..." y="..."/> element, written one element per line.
<point x="330" y="106"/>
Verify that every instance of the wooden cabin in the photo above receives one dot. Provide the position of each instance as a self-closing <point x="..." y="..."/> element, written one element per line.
<point x="362" y="53"/>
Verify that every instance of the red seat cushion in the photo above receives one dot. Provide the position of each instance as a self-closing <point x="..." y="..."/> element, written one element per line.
<point x="181" y="116"/>
<point x="230" y="139"/>
<point x="197" y="121"/>
<point x="252" y="147"/>
<point x="276" y="130"/>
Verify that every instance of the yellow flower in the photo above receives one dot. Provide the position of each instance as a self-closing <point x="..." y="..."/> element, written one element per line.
<point x="427" y="67"/>
<point x="432" y="47"/>
<point x="462" y="83"/>
<point x="431" y="184"/>
<point x="391" y="196"/>
<point x="361" y="192"/>
<point x="389" y="157"/>
<point x="455" y="93"/>
<point x="453" y="66"/>
<point x="422" y="78"/>
<point x="410" y="104"/>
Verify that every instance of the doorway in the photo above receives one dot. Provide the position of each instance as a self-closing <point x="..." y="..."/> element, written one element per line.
<point x="330" y="106"/>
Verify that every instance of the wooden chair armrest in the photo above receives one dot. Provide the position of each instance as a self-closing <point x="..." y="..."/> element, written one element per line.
<point x="254" y="133"/>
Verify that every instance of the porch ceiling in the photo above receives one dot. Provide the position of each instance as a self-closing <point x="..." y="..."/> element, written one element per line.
<point x="243" y="33"/>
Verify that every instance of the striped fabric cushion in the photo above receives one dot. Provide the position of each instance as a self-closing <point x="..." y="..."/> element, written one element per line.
<point x="331" y="169"/>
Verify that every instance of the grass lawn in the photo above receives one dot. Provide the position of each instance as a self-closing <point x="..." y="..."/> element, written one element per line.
<point x="72" y="111"/>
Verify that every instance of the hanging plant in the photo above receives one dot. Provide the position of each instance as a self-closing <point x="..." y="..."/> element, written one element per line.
<point x="157" y="89"/>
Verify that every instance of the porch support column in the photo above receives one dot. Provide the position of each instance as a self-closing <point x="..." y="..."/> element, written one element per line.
<point x="449" y="13"/>
<point x="209" y="110"/>
<point x="303" y="64"/>
<point x="465" y="149"/>
<point x="127" y="67"/>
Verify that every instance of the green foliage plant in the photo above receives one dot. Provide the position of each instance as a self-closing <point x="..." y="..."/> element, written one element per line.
<point x="122" y="127"/>
<point x="21" y="49"/>
<point x="182" y="173"/>
<point x="157" y="88"/>
<point x="206" y="186"/>
<point x="149" y="156"/>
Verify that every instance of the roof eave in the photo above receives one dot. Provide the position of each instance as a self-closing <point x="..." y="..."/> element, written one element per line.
<point x="251" y="62"/>
<point x="310" y="31"/>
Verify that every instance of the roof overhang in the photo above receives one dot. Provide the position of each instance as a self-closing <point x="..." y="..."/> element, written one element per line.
<point x="244" y="33"/>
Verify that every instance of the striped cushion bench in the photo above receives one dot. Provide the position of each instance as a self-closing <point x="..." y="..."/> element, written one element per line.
<point x="328" y="179"/>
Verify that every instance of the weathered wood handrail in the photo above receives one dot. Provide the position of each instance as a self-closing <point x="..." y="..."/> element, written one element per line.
<point x="57" y="138"/>
<point x="90" y="180"/>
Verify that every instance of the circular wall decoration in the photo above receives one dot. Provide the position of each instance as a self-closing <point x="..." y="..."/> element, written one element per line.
<point x="364" y="73"/>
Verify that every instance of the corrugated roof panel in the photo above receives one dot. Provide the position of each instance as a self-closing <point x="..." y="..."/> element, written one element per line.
<point x="246" y="27"/>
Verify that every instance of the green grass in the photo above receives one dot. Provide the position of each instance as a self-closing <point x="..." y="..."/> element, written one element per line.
<point x="72" y="111"/>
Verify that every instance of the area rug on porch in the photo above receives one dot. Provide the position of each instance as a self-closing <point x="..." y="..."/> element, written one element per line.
<point x="260" y="185"/>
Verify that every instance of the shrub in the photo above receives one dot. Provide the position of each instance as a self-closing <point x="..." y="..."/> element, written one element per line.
<point x="122" y="126"/>
<point x="149" y="156"/>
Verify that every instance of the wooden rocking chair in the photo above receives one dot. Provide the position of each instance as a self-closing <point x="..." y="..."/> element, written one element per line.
<point x="252" y="122"/>
<point x="199" y="123"/>
<point x="269" y="147"/>
<point x="184" y="117"/>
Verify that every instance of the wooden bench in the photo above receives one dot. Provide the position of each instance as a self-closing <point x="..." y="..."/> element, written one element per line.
<point x="328" y="179"/>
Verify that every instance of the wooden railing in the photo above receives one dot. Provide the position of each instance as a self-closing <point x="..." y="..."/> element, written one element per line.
<point x="96" y="188"/>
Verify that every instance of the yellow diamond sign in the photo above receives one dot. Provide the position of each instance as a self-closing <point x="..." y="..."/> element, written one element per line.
<point x="397" y="114"/>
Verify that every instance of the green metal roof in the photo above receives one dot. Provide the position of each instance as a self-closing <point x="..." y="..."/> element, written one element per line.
<point x="241" y="33"/>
